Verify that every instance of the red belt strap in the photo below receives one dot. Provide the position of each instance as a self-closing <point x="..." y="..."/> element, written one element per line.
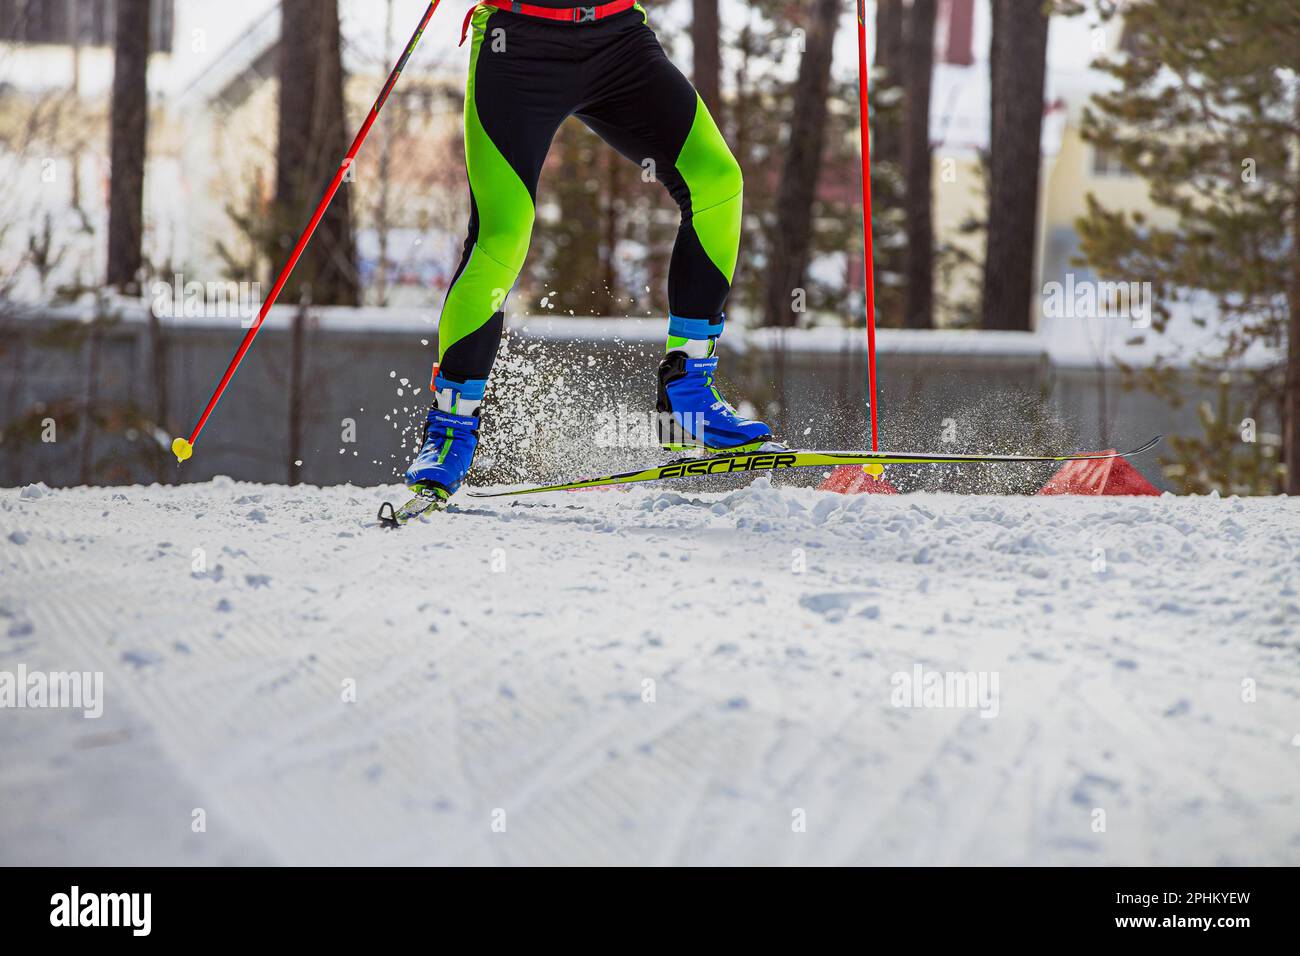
<point x="564" y="14"/>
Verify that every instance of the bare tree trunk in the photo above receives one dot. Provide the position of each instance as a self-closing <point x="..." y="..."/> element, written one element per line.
<point x="128" y="133"/>
<point x="313" y="139"/>
<point x="742" y="106"/>
<point x="1018" y="66"/>
<point x="74" y="18"/>
<point x="918" y="269"/>
<point x="792" y="236"/>
<point x="382" y="224"/>
<point x="706" y="41"/>
<point x="889" y="67"/>
<point x="1291" y="401"/>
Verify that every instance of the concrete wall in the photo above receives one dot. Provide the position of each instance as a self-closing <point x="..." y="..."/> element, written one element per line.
<point x="555" y="385"/>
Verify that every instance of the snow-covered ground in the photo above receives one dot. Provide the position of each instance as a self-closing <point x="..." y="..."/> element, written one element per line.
<point x="651" y="676"/>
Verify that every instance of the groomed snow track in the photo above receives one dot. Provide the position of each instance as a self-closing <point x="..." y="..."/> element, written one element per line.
<point x="650" y="677"/>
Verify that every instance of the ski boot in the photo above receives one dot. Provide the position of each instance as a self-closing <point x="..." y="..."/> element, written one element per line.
<point x="450" y="439"/>
<point x="692" y="412"/>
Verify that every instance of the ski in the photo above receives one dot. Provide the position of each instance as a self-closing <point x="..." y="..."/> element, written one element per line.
<point x="424" y="503"/>
<point x="779" y="459"/>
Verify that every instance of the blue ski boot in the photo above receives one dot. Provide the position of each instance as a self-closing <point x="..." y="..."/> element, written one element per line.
<point x="450" y="439"/>
<point x="692" y="412"/>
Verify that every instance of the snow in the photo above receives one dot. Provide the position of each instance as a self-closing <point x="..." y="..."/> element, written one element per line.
<point x="1143" y="655"/>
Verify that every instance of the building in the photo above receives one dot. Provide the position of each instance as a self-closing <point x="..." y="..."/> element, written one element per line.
<point x="213" y="101"/>
<point x="1072" y="169"/>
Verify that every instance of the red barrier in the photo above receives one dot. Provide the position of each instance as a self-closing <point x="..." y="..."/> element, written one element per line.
<point x="852" y="480"/>
<point x="1112" y="476"/>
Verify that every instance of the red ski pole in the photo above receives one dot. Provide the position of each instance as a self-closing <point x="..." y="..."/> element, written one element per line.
<point x="864" y="120"/>
<point x="183" y="448"/>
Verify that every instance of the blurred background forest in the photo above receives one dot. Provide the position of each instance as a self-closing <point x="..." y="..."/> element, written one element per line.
<point x="1031" y="161"/>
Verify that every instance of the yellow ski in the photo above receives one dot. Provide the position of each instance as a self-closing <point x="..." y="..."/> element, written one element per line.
<point x="779" y="459"/>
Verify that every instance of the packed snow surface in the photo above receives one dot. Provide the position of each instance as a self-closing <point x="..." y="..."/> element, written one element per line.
<point x="653" y="676"/>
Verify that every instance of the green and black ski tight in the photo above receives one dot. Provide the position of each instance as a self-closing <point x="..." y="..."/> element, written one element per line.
<point x="526" y="76"/>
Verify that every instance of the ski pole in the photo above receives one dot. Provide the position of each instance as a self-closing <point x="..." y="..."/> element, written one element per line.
<point x="183" y="448"/>
<point x="864" y="121"/>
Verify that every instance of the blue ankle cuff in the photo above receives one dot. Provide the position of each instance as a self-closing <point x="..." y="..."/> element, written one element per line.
<point x="473" y="390"/>
<point x="695" y="328"/>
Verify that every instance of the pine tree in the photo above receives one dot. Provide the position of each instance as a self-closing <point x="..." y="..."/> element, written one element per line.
<point x="706" y="48"/>
<point x="918" y="307"/>
<point x="888" y="71"/>
<point x="129" y="132"/>
<point x="1207" y="111"/>
<point x="1018" y="66"/>
<point x="313" y="137"/>
<point x="792" y="237"/>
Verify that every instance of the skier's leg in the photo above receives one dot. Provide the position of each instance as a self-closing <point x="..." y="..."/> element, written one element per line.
<point x="646" y="109"/>
<point x="512" y="110"/>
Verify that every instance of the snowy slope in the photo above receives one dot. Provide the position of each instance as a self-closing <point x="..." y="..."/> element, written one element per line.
<point x="500" y="654"/>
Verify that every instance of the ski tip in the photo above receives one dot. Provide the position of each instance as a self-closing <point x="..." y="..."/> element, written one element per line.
<point x="426" y="501"/>
<point x="388" y="516"/>
<point x="183" y="450"/>
<point x="1147" y="447"/>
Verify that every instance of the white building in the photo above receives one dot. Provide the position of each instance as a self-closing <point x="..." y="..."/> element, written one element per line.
<point x="212" y="87"/>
